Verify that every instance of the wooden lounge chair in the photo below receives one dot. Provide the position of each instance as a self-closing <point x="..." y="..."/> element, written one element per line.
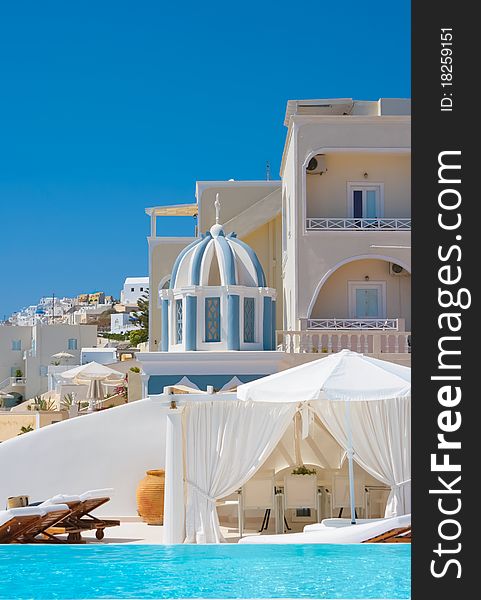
<point x="52" y="515"/>
<point x="393" y="536"/>
<point x="80" y="518"/>
<point x="15" y="521"/>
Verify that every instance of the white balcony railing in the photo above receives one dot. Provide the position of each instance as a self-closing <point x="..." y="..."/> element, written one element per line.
<point x="337" y="324"/>
<point x="12" y="381"/>
<point x="323" y="224"/>
<point x="325" y="342"/>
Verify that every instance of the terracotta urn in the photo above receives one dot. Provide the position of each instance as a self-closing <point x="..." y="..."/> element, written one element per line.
<point x="150" y="497"/>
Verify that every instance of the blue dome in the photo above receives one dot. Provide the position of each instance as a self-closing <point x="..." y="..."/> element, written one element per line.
<point x="39" y="311"/>
<point x="237" y="262"/>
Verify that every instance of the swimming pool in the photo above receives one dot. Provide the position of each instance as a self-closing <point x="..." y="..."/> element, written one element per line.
<point x="213" y="571"/>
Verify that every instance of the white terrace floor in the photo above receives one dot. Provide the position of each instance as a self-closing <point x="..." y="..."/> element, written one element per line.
<point x="134" y="531"/>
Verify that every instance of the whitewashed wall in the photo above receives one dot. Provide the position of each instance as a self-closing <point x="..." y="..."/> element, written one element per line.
<point x="111" y="448"/>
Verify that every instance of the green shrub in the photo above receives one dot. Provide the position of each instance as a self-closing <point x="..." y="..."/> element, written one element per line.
<point x="40" y="403"/>
<point x="303" y="470"/>
<point x="24" y="429"/>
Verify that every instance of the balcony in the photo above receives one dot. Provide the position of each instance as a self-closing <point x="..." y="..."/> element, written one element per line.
<point x="337" y="324"/>
<point x="352" y="224"/>
<point x="12" y="382"/>
<point x="324" y="336"/>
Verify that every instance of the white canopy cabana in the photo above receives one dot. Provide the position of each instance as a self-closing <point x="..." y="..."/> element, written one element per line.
<point x="345" y="375"/>
<point x="362" y="402"/>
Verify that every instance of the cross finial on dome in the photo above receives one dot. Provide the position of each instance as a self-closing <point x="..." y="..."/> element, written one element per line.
<point x="217" y="208"/>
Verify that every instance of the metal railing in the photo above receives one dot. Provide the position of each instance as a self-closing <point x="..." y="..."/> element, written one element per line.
<point x="334" y="224"/>
<point x="336" y="324"/>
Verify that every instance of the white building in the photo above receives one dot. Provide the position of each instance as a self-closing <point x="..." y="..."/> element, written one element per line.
<point x="86" y="314"/>
<point x="252" y="209"/>
<point x="346" y="250"/>
<point x="103" y="356"/>
<point x="14" y="341"/>
<point x="26" y="353"/>
<point x="134" y="288"/>
<point x="333" y="236"/>
<point x="122" y="323"/>
<point x="48" y="310"/>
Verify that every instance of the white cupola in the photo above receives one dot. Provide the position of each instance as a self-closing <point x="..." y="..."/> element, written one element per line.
<point x="218" y="298"/>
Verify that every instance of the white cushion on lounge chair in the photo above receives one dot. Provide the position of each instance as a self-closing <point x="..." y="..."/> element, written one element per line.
<point x="48" y="508"/>
<point x="88" y="495"/>
<point x="352" y="534"/>
<point x="22" y="511"/>
<point x="92" y="494"/>
<point x="60" y="499"/>
<point x="336" y="522"/>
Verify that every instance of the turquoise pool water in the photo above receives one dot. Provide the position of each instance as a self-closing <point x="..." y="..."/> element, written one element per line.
<point x="217" y="571"/>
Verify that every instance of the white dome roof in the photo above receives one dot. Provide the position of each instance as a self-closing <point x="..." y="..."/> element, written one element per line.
<point x="237" y="262"/>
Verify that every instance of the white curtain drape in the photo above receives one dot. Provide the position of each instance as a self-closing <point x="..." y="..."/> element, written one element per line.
<point x="226" y="443"/>
<point x="381" y="441"/>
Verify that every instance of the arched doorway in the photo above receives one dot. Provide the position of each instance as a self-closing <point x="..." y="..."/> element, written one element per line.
<point x="364" y="304"/>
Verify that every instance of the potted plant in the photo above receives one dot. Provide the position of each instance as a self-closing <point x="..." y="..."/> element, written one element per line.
<point x="68" y="403"/>
<point x="42" y="404"/>
<point x="303" y="470"/>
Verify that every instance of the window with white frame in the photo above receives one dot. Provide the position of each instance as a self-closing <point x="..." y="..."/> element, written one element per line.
<point x="72" y="344"/>
<point x="367" y="300"/>
<point x="365" y="201"/>
<point x="43" y="371"/>
<point x="16" y="344"/>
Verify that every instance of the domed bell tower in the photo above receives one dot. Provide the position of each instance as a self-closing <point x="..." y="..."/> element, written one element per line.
<point x="218" y="298"/>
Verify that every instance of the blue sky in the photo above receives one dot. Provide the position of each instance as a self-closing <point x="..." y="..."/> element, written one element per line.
<point x="109" y="106"/>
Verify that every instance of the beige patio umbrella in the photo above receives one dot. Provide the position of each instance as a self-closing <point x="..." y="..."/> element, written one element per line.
<point x="94" y="374"/>
<point x="63" y="356"/>
<point x="95" y="392"/>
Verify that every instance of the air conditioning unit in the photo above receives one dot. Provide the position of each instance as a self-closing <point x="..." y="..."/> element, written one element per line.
<point x="397" y="271"/>
<point x="317" y="165"/>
